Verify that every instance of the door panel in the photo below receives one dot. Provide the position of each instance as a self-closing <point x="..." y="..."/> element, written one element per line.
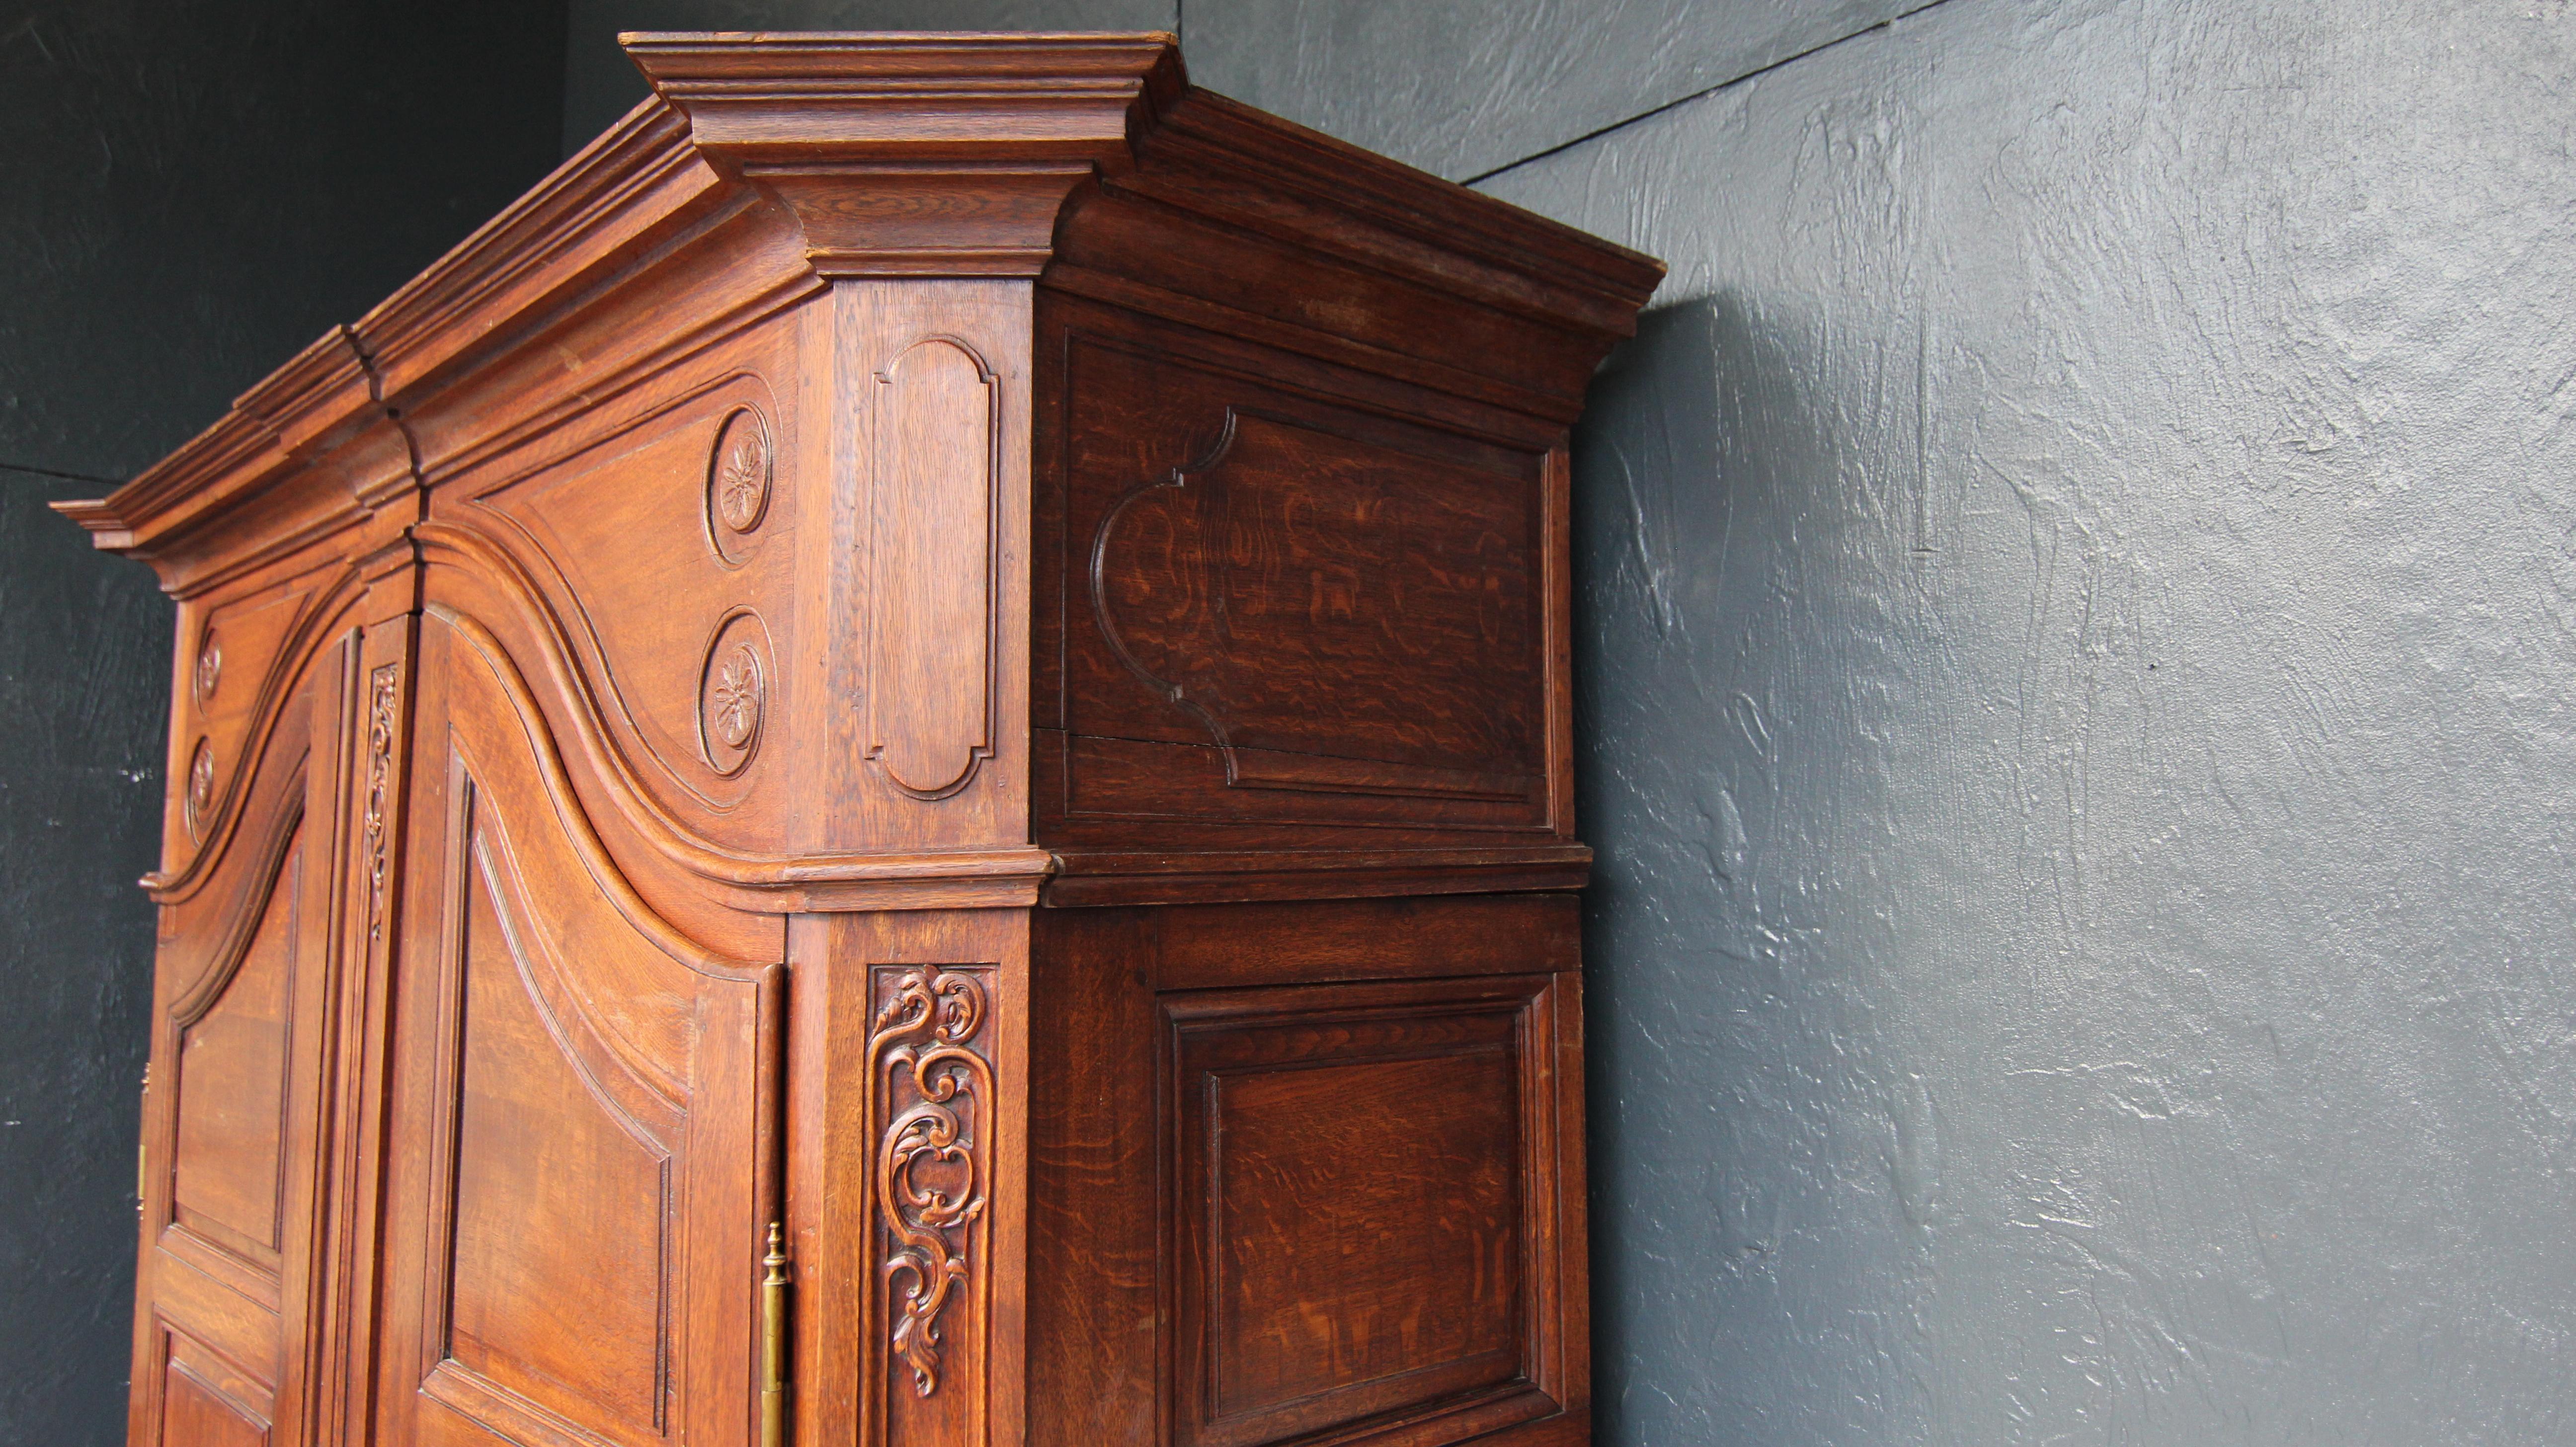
<point x="560" y="1282"/>
<point x="231" y="1086"/>
<point x="203" y="1400"/>
<point x="238" y="1119"/>
<point x="577" y="1192"/>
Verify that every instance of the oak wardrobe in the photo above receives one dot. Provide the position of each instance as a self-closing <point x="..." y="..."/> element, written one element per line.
<point x="890" y="769"/>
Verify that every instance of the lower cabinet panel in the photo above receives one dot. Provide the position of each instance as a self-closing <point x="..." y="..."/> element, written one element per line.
<point x="1353" y="1214"/>
<point x="207" y="1401"/>
<point x="1353" y="1207"/>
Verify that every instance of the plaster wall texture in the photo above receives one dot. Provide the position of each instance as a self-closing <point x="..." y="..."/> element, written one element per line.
<point x="2078" y="581"/>
<point x="2078" y="593"/>
<point x="1456" y="87"/>
<point x="1461" y="87"/>
<point x="193" y="191"/>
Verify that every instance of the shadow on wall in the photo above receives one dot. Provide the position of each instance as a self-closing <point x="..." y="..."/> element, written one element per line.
<point x="1720" y="510"/>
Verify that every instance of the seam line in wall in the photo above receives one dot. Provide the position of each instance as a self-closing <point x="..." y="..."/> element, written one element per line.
<point x="1701" y="94"/>
<point x="59" y="475"/>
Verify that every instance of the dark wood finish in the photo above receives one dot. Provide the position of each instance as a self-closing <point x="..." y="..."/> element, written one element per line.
<point x="943" y="641"/>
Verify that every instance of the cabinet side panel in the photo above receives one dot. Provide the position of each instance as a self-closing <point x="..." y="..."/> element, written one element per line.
<point x="1351" y="1213"/>
<point x="1287" y="608"/>
<point x="1096" y="1199"/>
<point x="930" y="432"/>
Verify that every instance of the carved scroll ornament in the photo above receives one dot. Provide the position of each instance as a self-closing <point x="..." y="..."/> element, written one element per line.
<point x="384" y="701"/>
<point x="931" y="1159"/>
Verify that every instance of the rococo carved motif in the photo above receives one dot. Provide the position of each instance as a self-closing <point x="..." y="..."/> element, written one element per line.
<point x="384" y="701"/>
<point x="935" y="1097"/>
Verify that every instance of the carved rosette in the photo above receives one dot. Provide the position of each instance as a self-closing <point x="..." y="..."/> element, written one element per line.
<point x="210" y="666"/>
<point x="733" y="698"/>
<point x="199" y="802"/>
<point x="739" y="473"/>
<point x="384" y="702"/>
<point x="934" y="1088"/>
<point x="733" y="692"/>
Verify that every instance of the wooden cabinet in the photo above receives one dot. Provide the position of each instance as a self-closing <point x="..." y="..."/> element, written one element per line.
<point x="891" y="768"/>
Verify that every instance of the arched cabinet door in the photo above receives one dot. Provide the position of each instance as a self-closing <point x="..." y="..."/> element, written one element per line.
<point x="576" y="1166"/>
<point x="233" y="1129"/>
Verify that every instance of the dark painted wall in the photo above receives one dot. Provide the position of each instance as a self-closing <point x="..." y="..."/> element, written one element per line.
<point x="192" y="191"/>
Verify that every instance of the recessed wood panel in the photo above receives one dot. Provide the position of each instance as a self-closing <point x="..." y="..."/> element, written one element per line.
<point x="203" y="1400"/>
<point x="228" y="1170"/>
<point x="931" y="561"/>
<point x="1353" y="1200"/>
<point x="559" y="1275"/>
<point x="1413" y="1242"/>
<point x="1282" y="609"/>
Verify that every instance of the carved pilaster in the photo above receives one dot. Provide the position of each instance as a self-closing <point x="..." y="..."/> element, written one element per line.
<point x="931" y="1111"/>
<point x="384" y="718"/>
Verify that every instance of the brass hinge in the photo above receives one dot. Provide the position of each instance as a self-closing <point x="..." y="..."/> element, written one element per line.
<point x="143" y="1141"/>
<point x="773" y="1340"/>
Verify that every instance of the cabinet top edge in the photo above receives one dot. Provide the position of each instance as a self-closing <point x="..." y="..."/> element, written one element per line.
<point x="854" y="108"/>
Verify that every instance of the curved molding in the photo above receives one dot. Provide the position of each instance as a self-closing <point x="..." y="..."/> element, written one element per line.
<point x="754" y="883"/>
<point x="593" y="852"/>
<point x="579" y="1034"/>
<point x="1179" y="481"/>
<point x="305" y="638"/>
<point x="276" y="843"/>
<point x="549" y="577"/>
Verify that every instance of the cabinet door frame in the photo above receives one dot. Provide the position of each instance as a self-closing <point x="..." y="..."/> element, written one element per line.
<point x="233" y="1335"/>
<point x="499" y="834"/>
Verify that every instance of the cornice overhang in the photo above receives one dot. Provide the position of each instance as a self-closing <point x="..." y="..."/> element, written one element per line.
<point x="890" y="155"/>
<point x="317" y="400"/>
<point x="917" y="155"/>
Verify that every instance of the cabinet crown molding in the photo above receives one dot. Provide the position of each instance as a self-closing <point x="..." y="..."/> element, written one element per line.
<point x="912" y="96"/>
<point x="908" y="154"/>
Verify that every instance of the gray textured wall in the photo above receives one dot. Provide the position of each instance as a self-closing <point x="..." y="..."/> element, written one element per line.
<point x="193" y="191"/>
<point x="2078" y="591"/>
<point x="2078" y="605"/>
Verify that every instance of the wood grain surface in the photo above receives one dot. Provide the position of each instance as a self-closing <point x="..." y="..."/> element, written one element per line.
<point x="942" y="641"/>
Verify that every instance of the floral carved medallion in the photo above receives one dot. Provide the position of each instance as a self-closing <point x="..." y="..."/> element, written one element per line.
<point x="733" y="692"/>
<point x="199" y="802"/>
<point x="733" y="698"/>
<point x="738" y="478"/>
<point x="210" y="666"/>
